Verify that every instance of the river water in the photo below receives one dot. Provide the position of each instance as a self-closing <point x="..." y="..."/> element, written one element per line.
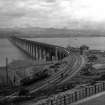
<point x="7" y="49"/>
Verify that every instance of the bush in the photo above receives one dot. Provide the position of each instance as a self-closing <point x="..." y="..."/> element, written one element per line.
<point x="23" y="92"/>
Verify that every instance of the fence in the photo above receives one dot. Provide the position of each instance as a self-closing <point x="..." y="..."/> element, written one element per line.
<point x="70" y="96"/>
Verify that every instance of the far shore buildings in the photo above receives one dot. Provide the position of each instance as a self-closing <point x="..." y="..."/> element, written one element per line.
<point x="84" y="49"/>
<point x="81" y="50"/>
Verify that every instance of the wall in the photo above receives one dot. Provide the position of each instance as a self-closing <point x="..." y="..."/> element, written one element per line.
<point x="70" y="96"/>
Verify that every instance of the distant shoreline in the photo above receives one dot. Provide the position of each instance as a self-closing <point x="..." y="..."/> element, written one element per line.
<point x="56" y="36"/>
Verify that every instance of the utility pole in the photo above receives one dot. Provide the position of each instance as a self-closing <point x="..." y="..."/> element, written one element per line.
<point x="7" y="71"/>
<point x="56" y="53"/>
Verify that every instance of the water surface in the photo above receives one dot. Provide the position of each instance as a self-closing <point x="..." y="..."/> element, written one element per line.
<point x="7" y="49"/>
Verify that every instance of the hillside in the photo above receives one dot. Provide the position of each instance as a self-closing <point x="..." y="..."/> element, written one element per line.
<point x="50" y="32"/>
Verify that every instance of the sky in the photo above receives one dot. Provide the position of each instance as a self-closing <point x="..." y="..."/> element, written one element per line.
<point x="71" y="14"/>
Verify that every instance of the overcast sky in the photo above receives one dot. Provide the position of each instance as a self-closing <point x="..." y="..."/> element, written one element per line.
<point x="52" y="13"/>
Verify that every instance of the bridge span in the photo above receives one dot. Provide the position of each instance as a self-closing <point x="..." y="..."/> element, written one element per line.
<point x="40" y="51"/>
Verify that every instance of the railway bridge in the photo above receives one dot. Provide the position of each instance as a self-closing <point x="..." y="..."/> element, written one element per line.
<point x="40" y="51"/>
<point x="47" y="52"/>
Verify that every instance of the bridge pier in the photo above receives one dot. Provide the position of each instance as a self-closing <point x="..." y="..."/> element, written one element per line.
<point x="40" y="51"/>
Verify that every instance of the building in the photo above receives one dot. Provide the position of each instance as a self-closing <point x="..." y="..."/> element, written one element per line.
<point x="84" y="49"/>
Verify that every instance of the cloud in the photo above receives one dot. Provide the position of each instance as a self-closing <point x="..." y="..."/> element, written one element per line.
<point x="52" y="13"/>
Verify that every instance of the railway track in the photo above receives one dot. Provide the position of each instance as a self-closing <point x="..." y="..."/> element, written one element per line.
<point x="56" y="77"/>
<point x="75" y="63"/>
<point x="69" y="71"/>
<point x="76" y="68"/>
